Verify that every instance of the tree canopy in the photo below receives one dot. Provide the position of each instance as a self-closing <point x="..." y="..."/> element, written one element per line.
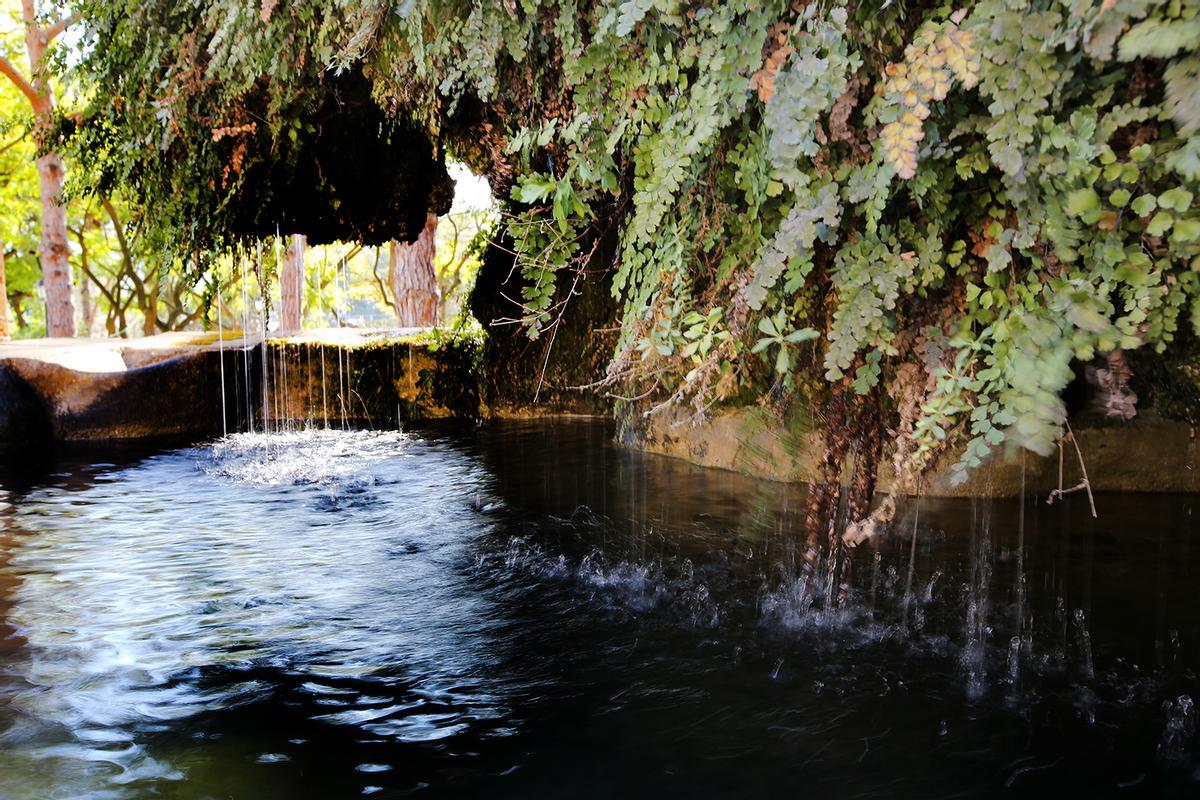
<point x="945" y="205"/>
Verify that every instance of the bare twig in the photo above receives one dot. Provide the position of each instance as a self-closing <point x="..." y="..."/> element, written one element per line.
<point x="580" y="271"/>
<point x="379" y="281"/>
<point x="1084" y="484"/>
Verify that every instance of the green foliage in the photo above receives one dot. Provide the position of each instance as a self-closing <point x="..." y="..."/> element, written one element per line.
<point x="776" y="335"/>
<point x="986" y="194"/>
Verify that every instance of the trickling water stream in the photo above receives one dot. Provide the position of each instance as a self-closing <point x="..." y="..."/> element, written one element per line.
<point x="523" y="609"/>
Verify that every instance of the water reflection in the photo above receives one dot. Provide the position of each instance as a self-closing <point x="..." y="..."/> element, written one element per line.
<point x="324" y="566"/>
<point x="524" y="610"/>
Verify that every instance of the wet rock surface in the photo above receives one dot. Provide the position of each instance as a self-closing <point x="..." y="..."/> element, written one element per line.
<point x="172" y="388"/>
<point x="524" y="377"/>
<point x="178" y="391"/>
<point x="176" y="398"/>
<point x="380" y="385"/>
<point x="1147" y="454"/>
<point x="24" y="425"/>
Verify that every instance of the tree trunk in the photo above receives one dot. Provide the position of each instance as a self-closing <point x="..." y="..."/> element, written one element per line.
<point x="83" y="279"/>
<point x="54" y="250"/>
<point x="291" y="285"/>
<point x="86" y="308"/>
<point x="4" y="332"/>
<point x="414" y="282"/>
<point x="150" y="311"/>
<point x="19" y="313"/>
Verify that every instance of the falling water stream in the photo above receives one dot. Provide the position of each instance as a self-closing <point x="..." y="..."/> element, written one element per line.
<point x="523" y="609"/>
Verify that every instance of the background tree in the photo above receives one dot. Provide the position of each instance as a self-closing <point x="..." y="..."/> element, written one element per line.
<point x="413" y="280"/>
<point x="291" y="285"/>
<point x="19" y="210"/>
<point x="34" y="83"/>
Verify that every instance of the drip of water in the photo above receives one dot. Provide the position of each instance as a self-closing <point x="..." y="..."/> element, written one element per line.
<point x="245" y="345"/>
<point x="266" y="361"/>
<point x="1191" y="460"/>
<point x="1084" y="640"/>
<point x="927" y="595"/>
<point x="1060" y="621"/>
<point x="1019" y="589"/>
<point x="221" y="355"/>
<point x="1014" y="661"/>
<point x="912" y="562"/>
<point x="324" y="394"/>
<point x="349" y="372"/>
<point x="308" y="408"/>
<point x="280" y="417"/>
<point x="341" y="372"/>
<point x="284" y="395"/>
<point x="875" y="563"/>
<point x="974" y="656"/>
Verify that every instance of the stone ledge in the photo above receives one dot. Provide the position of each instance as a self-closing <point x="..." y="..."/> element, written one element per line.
<point x="1149" y="454"/>
<point x="170" y="386"/>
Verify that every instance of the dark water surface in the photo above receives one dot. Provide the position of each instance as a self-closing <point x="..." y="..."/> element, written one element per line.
<point x="524" y="610"/>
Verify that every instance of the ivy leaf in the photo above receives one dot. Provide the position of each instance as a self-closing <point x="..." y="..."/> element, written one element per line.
<point x="1160" y="224"/>
<point x="1130" y="274"/>
<point x="802" y="335"/>
<point x="533" y="190"/>
<point x="1082" y="201"/>
<point x="1144" y="205"/>
<point x="1141" y="152"/>
<point x="1085" y="317"/>
<point x="1186" y="230"/>
<point x="1178" y="198"/>
<point x="1159" y="38"/>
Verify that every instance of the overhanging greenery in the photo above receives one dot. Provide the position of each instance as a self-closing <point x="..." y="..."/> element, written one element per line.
<point x="944" y="204"/>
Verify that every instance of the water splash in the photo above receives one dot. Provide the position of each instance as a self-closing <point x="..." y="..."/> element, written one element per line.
<point x="1179" y="734"/>
<point x="1083" y="640"/>
<point x="667" y="584"/>
<point x="302" y="457"/>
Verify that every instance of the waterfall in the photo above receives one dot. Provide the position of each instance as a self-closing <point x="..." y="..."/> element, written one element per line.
<point x="912" y="563"/>
<point x="266" y="361"/>
<point x="221" y="355"/>
<point x="974" y="657"/>
<point x="245" y="346"/>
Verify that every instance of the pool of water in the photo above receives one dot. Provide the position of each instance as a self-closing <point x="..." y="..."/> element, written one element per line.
<point x="524" y="609"/>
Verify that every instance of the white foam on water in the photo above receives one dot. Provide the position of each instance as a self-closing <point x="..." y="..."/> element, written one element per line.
<point x="302" y="457"/>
